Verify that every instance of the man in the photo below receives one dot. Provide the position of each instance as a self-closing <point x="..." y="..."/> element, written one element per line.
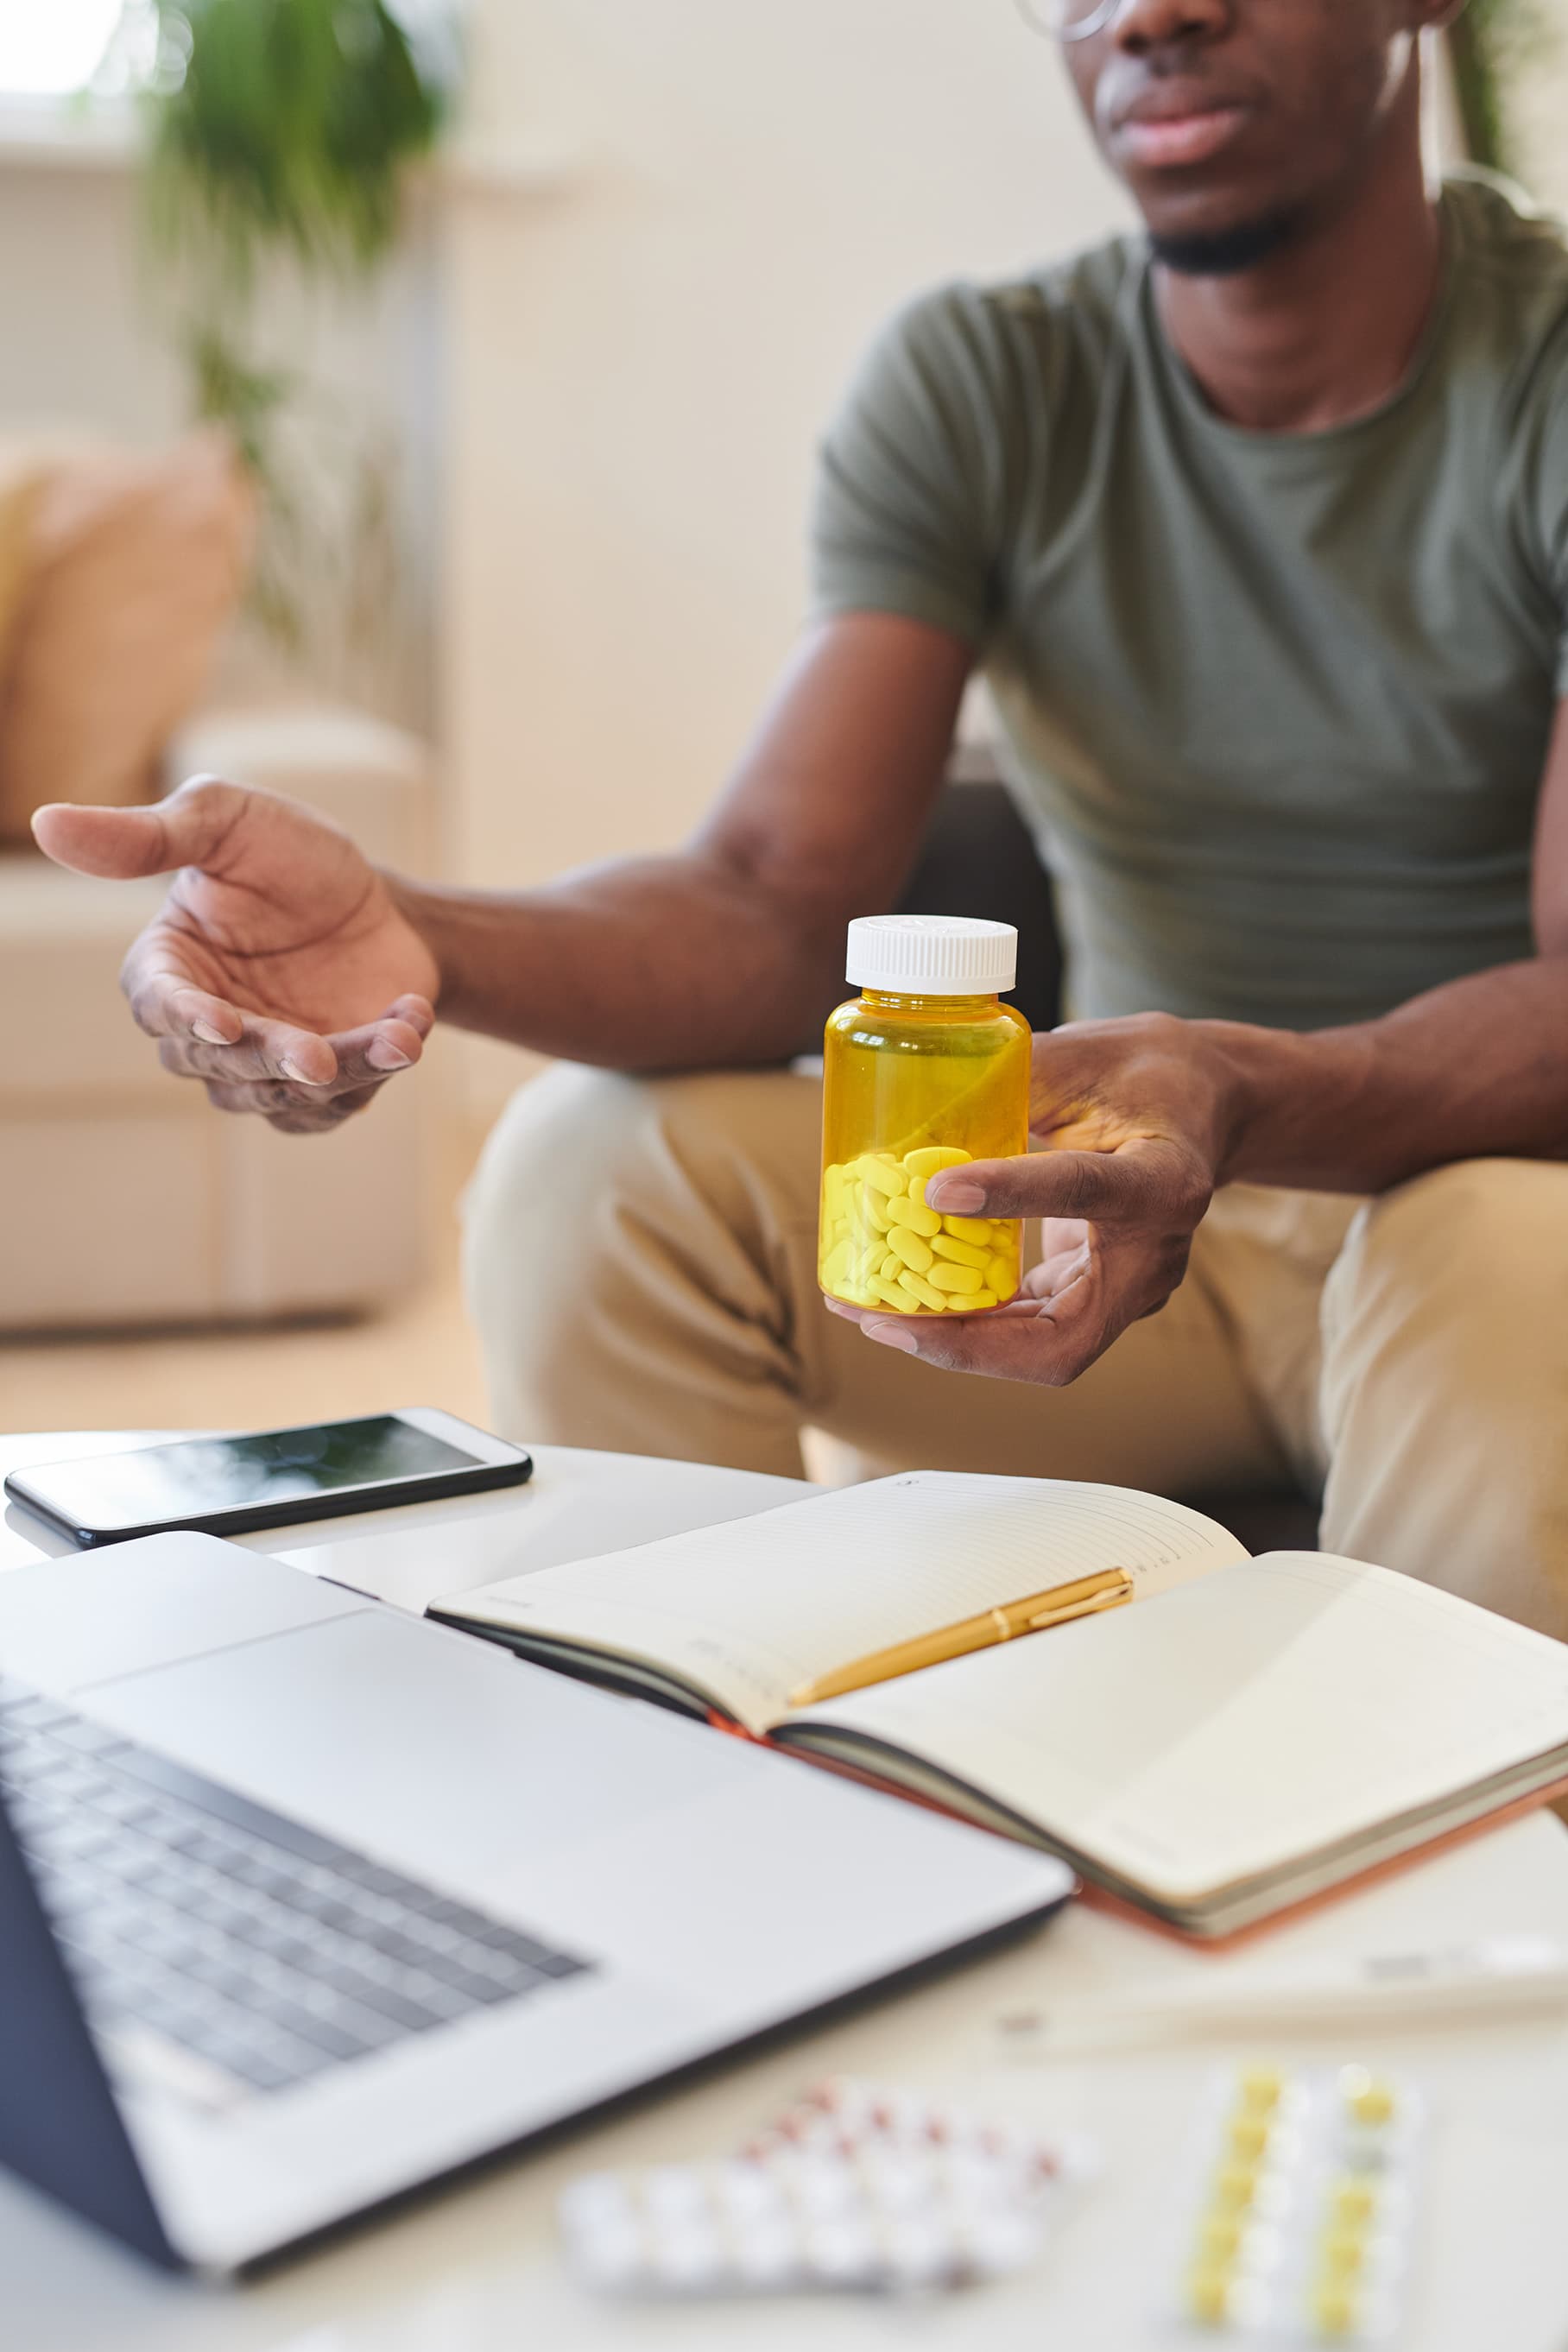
<point x="1259" y="530"/>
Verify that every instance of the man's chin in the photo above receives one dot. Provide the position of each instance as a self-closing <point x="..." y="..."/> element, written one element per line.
<point x="1225" y="252"/>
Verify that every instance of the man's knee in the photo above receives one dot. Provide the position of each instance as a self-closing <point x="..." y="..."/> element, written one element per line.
<point x="1445" y="1390"/>
<point x="628" y="1242"/>
<point x="566" y="1151"/>
<point x="1469" y="1255"/>
<point x="580" y="1157"/>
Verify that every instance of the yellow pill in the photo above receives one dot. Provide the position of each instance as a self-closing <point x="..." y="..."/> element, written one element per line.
<point x="910" y="1248"/>
<point x="1236" y="2185"/>
<point x="1353" y="2202"/>
<point x="882" y="1176"/>
<point x="836" y="1263"/>
<point x="1369" y="2098"/>
<point x="977" y="1301"/>
<point x="1002" y="1274"/>
<point x="890" y="1268"/>
<point x="917" y="1287"/>
<point x="1248" y="2138"/>
<point x="932" y="1156"/>
<point x="972" y="1229"/>
<point x="891" y="1294"/>
<point x="1261" y="2087"/>
<point x="1343" y="2252"/>
<point x="916" y="1215"/>
<point x="960" y="1278"/>
<point x="856" y="1292"/>
<point x="1334" y="2309"/>
<point x="876" y="1210"/>
<point x="959" y="1252"/>
<point x="1209" y="2295"/>
<point x="1219" y="2235"/>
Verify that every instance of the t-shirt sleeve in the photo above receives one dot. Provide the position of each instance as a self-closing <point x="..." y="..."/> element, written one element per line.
<point x="909" y="516"/>
<point x="1554" y="501"/>
<point x="1545" y="442"/>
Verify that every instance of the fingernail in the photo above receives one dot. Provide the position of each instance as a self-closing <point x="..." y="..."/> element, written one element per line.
<point x="893" y="1335"/>
<point x="958" y="1199"/>
<point x="300" y="1077"/>
<point x="385" y="1055"/>
<point x="208" y="1034"/>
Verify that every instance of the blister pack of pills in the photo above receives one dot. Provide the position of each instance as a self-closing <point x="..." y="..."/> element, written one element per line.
<point x="852" y="2188"/>
<point x="1297" y="2225"/>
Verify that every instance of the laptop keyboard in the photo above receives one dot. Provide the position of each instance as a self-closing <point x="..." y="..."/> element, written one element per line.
<point x="263" y="1952"/>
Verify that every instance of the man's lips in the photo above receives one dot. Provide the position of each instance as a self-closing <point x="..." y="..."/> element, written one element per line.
<point x="1160" y="141"/>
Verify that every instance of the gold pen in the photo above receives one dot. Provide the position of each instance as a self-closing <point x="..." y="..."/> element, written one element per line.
<point x="1108" y="1590"/>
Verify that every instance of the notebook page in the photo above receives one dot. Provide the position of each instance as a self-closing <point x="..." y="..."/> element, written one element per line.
<point x="753" y="1608"/>
<point x="1245" y="1719"/>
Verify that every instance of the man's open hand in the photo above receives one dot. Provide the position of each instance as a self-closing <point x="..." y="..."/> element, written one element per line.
<point x="1133" y="1115"/>
<point x="279" y="971"/>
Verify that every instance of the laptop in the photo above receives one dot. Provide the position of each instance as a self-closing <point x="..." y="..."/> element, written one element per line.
<point x="305" y="1901"/>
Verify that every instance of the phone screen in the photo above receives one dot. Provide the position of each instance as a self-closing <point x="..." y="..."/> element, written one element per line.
<point x="202" y="1475"/>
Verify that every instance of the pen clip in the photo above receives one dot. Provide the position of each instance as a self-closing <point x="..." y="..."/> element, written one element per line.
<point x="1113" y="1597"/>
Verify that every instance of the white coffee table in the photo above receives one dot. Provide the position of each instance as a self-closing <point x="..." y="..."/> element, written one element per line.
<point x="474" y="2269"/>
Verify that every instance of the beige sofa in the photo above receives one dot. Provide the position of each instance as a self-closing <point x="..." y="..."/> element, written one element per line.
<point x="124" y="1198"/>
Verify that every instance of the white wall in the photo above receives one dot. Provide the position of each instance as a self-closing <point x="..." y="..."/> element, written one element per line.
<point x="640" y="362"/>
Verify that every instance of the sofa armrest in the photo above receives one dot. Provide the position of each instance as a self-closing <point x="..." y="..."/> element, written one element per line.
<point x="372" y="778"/>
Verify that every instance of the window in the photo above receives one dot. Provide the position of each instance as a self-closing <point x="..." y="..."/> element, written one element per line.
<point x="51" y="48"/>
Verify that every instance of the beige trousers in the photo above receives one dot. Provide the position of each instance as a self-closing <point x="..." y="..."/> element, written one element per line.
<point x="642" y="1270"/>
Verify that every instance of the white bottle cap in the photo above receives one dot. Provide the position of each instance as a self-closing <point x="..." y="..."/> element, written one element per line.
<point x="931" y="955"/>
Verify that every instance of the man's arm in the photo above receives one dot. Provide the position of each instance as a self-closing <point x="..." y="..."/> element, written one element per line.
<point x="290" y="978"/>
<point x="1477" y="1068"/>
<point x="720" y="953"/>
<point x="1145" y="1117"/>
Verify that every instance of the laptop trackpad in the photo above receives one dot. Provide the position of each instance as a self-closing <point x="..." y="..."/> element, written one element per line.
<point x="433" y="1746"/>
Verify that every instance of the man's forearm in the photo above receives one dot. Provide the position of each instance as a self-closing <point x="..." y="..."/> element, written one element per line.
<point x="645" y="964"/>
<point x="1476" y="1068"/>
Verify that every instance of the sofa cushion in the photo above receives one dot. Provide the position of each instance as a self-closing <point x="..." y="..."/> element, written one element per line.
<point x="134" y="564"/>
<point x="21" y="483"/>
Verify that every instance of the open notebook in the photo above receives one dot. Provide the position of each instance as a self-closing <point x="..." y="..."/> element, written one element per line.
<point x="1245" y="1734"/>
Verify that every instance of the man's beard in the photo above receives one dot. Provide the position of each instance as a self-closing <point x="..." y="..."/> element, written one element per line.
<point x="1225" y="252"/>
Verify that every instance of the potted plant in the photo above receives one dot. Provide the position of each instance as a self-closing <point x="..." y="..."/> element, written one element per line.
<point x="1490" y="44"/>
<point x="282" y="136"/>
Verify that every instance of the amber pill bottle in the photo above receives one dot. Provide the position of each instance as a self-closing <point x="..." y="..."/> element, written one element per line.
<point x="924" y="1069"/>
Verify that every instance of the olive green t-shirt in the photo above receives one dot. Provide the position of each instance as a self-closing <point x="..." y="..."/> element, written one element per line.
<point x="1276" y="706"/>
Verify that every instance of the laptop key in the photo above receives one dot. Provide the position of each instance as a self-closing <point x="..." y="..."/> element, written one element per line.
<point x="36" y="1713"/>
<point x="89" y="1738"/>
<point x="203" y="1922"/>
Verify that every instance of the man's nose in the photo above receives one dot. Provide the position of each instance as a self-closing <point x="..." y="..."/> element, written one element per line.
<point x="1139" y="26"/>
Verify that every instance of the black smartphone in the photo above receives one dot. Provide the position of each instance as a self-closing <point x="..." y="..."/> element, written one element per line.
<point x="268" y="1478"/>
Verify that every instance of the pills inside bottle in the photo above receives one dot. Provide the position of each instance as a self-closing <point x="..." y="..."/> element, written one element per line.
<point x="924" y="1070"/>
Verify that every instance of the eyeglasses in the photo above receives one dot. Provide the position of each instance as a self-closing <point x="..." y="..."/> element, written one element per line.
<point x="1068" y="20"/>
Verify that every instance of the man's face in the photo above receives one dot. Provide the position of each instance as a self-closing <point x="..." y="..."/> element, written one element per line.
<point x="1237" y="122"/>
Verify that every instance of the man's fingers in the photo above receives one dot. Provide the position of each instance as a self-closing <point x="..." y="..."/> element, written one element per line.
<point x="271" y="1053"/>
<point x="1075" y="1305"/>
<point x="166" y="1003"/>
<point x="417" y="1011"/>
<point x="289" y="1108"/>
<point x="264" y="1050"/>
<point x="189" y="829"/>
<point x="370" y="1054"/>
<point x="1150" y="1180"/>
<point x="1013" y="1344"/>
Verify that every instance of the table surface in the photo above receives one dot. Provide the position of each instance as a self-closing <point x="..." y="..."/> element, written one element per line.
<point x="475" y="2267"/>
